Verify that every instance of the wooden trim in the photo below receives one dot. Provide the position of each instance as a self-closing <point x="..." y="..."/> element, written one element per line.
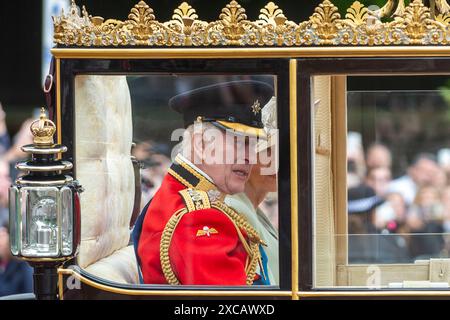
<point x="294" y="174"/>
<point x="339" y="165"/>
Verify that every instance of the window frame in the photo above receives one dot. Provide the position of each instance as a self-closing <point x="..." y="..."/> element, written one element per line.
<point x="64" y="117"/>
<point x="338" y="69"/>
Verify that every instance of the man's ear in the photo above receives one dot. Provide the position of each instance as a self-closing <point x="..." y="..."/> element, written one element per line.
<point x="197" y="146"/>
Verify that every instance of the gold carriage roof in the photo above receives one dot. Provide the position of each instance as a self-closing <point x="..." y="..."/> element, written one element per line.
<point x="415" y="24"/>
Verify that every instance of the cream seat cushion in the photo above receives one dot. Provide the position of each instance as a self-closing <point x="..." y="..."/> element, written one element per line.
<point x="103" y="137"/>
<point x="119" y="267"/>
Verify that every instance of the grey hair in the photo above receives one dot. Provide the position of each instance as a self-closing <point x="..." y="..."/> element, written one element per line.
<point x="184" y="146"/>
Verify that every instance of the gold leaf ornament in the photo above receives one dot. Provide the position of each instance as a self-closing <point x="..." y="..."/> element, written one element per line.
<point x="325" y="21"/>
<point x="232" y="18"/>
<point x="139" y="22"/>
<point x="272" y="14"/>
<point x="416" y="18"/>
<point x="357" y="14"/>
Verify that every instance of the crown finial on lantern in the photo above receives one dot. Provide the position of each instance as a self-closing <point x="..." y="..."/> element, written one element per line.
<point x="43" y="130"/>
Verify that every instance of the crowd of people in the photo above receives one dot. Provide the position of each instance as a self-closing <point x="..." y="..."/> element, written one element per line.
<point x="15" y="276"/>
<point x="410" y="212"/>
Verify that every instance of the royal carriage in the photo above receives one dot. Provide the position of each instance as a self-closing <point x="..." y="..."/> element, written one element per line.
<point x="108" y="87"/>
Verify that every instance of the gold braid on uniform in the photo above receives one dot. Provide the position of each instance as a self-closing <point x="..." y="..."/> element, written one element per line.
<point x="255" y="240"/>
<point x="198" y="200"/>
<point x="166" y="238"/>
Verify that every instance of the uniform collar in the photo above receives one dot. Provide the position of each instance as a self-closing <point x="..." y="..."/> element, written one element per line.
<point x="183" y="159"/>
<point x="188" y="174"/>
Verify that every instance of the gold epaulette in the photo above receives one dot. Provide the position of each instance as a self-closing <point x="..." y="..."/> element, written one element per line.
<point x="198" y="200"/>
<point x="195" y="199"/>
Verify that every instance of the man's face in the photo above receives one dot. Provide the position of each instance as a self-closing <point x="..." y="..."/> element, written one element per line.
<point x="379" y="156"/>
<point x="264" y="172"/>
<point x="424" y="172"/>
<point x="227" y="161"/>
<point x="378" y="179"/>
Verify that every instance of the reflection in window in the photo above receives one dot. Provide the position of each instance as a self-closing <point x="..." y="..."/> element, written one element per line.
<point x="389" y="228"/>
<point x="398" y="176"/>
<point x="209" y="205"/>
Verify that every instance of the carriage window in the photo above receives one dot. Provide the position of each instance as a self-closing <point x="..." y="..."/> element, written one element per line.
<point x="206" y="212"/>
<point x="391" y="225"/>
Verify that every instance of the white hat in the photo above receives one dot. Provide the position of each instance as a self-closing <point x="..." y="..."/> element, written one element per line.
<point x="269" y="119"/>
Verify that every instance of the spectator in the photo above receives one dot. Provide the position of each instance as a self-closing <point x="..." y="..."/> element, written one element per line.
<point x="392" y="214"/>
<point x="5" y="142"/>
<point x="445" y="200"/>
<point x="355" y="160"/>
<point x="367" y="243"/>
<point x="5" y="182"/>
<point x="424" y="171"/>
<point x="443" y="157"/>
<point x="15" y="276"/>
<point x="23" y="137"/>
<point x="426" y="216"/>
<point x="155" y="158"/>
<point x="378" y="178"/>
<point x="378" y="156"/>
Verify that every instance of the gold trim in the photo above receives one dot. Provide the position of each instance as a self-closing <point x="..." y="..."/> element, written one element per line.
<point x="37" y="259"/>
<point x="60" y="286"/>
<point x="390" y="9"/>
<point x="172" y="293"/>
<point x="294" y="174"/>
<point x="180" y="178"/>
<point x="204" y="184"/>
<point x="58" y="104"/>
<point x="413" y="24"/>
<point x="166" y="239"/>
<point x="237" y="53"/>
<point x="243" y="129"/>
<point x="195" y="199"/>
<point x="251" y="248"/>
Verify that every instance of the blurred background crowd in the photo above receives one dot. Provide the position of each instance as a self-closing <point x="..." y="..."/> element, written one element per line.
<point x="15" y="275"/>
<point x="410" y="213"/>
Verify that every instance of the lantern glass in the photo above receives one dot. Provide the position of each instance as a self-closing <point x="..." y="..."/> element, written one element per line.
<point x="14" y="220"/>
<point x="67" y="221"/>
<point x="40" y="221"/>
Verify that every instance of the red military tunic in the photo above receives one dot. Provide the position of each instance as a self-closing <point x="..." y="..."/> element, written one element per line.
<point x="205" y="245"/>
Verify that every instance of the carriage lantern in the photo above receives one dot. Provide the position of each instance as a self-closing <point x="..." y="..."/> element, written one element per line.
<point x="44" y="209"/>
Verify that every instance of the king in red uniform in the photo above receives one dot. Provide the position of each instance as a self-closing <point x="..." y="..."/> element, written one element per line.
<point x="186" y="234"/>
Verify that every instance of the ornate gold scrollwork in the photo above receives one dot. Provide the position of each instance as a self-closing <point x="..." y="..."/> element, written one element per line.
<point x="399" y="9"/>
<point x="325" y="21"/>
<point x="357" y="14"/>
<point x="414" y="24"/>
<point x="233" y="19"/>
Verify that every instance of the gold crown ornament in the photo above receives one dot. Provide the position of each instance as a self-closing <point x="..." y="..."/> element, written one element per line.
<point x="43" y="130"/>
